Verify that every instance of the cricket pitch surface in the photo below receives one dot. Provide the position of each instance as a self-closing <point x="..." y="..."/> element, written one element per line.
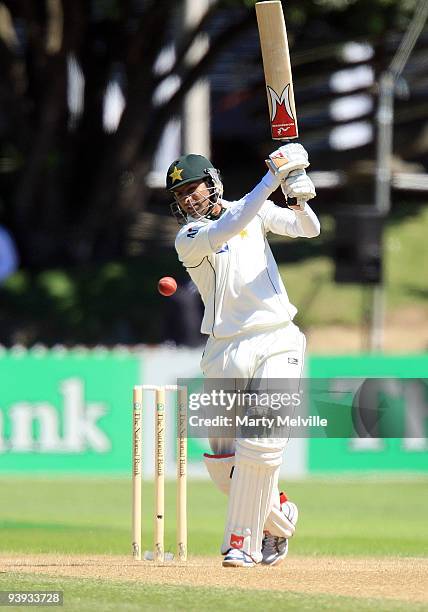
<point x="397" y="579"/>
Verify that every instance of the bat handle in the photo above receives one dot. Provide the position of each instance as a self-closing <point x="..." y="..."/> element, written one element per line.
<point x="292" y="202"/>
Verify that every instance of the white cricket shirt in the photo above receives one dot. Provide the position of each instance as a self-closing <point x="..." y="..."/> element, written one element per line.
<point x="236" y="275"/>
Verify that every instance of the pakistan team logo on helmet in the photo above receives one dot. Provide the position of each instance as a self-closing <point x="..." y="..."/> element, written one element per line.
<point x="187" y="169"/>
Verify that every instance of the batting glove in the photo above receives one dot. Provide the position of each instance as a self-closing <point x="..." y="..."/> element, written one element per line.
<point x="298" y="185"/>
<point x="288" y="157"/>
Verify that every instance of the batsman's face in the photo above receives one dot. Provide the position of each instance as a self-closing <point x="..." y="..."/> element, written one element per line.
<point x="194" y="198"/>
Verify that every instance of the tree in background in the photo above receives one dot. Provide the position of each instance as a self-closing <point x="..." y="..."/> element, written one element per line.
<point x="71" y="185"/>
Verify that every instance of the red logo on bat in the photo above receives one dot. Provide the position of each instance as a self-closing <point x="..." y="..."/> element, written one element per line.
<point x="283" y="124"/>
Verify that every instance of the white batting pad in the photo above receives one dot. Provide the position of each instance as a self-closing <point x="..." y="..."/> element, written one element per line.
<point x="255" y="478"/>
<point x="262" y="451"/>
<point x="220" y="469"/>
<point x="282" y="520"/>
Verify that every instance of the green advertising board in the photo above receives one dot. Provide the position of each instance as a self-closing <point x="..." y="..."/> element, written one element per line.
<point x="339" y="455"/>
<point x="70" y="412"/>
<point x="66" y="411"/>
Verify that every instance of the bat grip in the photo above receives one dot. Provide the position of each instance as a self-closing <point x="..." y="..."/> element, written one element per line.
<point x="291" y="201"/>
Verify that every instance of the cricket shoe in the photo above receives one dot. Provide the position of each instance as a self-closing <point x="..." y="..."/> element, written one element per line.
<point x="275" y="548"/>
<point x="237" y="558"/>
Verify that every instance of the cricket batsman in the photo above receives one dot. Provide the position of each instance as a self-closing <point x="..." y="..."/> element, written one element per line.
<point x="248" y="319"/>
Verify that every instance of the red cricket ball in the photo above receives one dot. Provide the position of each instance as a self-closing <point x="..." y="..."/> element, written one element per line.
<point x="167" y="286"/>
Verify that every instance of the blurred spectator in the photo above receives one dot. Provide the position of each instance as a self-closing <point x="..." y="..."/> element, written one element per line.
<point x="8" y="264"/>
<point x="8" y="255"/>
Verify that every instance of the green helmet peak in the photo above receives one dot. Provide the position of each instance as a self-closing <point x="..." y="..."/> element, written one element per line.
<point x="188" y="168"/>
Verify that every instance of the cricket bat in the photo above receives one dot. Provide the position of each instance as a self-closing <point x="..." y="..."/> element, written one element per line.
<point x="277" y="69"/>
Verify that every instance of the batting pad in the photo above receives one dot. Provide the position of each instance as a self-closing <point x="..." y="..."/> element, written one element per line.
<point x="254" y="481"/>
<point x="282" y="518"/>
<point x="220" y="468"/>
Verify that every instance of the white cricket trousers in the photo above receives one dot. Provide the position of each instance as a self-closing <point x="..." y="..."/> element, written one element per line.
<point x="274" y="354"/>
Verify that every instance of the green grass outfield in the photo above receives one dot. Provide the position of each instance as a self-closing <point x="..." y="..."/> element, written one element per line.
<point x="107" y="596"/>
<point x="92" y="516"/>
